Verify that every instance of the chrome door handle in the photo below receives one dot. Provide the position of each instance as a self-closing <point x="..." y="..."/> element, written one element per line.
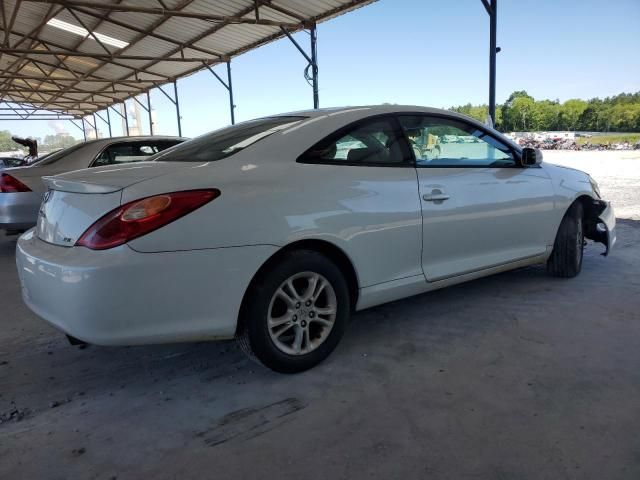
<point x="435" y="197"/>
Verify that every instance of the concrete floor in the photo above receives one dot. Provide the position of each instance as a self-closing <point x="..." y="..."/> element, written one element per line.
<point x="514" y="376"/>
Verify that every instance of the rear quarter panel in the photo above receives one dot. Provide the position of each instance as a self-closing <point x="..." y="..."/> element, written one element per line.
<point x="267" y="198"/>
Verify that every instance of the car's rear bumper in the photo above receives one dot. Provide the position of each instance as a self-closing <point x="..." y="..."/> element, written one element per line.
<point x="19" y="211"/>
<point x="123" y="297"/>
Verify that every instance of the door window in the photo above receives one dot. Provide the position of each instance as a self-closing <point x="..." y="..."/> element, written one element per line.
<point x="441" y="142"/>
<point x="373" y="142"/>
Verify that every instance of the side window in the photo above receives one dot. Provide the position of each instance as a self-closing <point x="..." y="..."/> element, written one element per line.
<point x="440" y="142"/>
<point x="113" y="154"/>
<point x="159" y="146"/>
<point x="372" y="142"/>
<point x="130" y="152"/>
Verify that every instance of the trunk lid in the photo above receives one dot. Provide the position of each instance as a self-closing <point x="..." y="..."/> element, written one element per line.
<point x="64" y="216"/>
<point x="110" y="178"/>
<point x="75" y="200"/>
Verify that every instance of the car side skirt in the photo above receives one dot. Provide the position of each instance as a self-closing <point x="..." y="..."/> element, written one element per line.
<point x="406" y="287"/>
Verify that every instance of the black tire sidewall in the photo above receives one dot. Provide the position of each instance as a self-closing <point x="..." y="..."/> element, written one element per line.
<point x="574" y="219"/>
<point x="566" y="257"/>
<point x="257" y="307"/>
<point x="579" y="242"/>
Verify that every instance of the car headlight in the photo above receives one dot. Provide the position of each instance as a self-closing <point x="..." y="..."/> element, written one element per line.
<point x="595" y="187"/>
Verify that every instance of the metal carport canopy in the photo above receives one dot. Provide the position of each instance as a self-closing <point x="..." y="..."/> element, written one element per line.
<point x="69" y="58"/>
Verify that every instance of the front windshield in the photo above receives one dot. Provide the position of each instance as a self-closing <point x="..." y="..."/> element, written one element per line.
<point x="227" y="141"/>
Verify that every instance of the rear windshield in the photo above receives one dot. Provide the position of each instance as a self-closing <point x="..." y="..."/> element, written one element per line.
<point x="227" y="141"/>
<point x="54" y="157"/>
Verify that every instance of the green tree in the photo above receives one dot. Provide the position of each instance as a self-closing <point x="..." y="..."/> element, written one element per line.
<point x="570" y="113"/>
<point x="523" y="112"/>
<point x="515" y="110"/>
<point x="6" y="143"/>
<point x="52" y="142"/>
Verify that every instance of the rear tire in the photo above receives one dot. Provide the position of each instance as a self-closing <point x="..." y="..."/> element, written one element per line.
<point x="295" y="313"/>
<point x="566" y="258"/>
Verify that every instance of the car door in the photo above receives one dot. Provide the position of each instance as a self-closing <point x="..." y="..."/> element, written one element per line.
<point x="365" y="191"/>
<point x="480" y="208"/>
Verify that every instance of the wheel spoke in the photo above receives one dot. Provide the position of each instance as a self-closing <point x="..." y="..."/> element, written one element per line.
<point x="319" y="287"/>
<point x="278" y="333"/>
<point x="330" y="310"/>
<point x="311" y="286"/>
<point x="276" y="322"/>
<point x="321" y="321"/>
<point x="292" y="289"/>
<point x="290" y="301"/>
<point x="297" y="342"/>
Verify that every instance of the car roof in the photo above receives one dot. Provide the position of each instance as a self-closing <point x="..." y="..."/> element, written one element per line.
<point x="368" y="110"/>
<point x="364" y="111"/>
<point x="108" y="140"/>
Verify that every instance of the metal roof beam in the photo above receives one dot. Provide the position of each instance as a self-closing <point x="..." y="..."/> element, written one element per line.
<point x="169" y="13"/>
<point x="79" y="43"/>
<point x="487" y="7"/>
<point x="144" y="32"/>
<point x="72" y="79"/>
<point x="63" y="52"/>
<point x="14" y="99"/>
<point x="99" y="56"/>
<point x="57" y="80"/>
<point x="51" y="12"/>
<point x="14" y="118"/>
<point x="27" y="99"/>
<point x="9" y="26"/>
<point x="141" y="36"/>
<point x="19" y="89"/>
<point x="32" y="116"/>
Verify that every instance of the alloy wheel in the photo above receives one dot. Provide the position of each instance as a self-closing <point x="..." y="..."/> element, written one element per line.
<point x="302" y="313"/>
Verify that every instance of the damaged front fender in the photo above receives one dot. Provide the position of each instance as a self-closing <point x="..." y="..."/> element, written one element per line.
<point x="600" y="223"/>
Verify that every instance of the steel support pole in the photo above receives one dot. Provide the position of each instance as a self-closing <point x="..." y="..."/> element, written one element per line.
<point x="95" y="125"/>
<point x="126" y="117"/>
<point x="313" y="60"/>
<point x="493" y="50"/>
<point x="175" y="93"/>
<point x="109" y="122"/>
<point x="149" y="113"/>
<point x="314" y="65"/>
<point x="230" y="88"/>
<point x="84" y="130"/>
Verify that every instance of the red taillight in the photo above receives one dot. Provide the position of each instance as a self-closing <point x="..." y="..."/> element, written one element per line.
<point x="143" y="216"/>
<point x="9" y="184"/>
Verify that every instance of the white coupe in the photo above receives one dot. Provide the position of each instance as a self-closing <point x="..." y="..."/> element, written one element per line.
<point x="274" y="230"/>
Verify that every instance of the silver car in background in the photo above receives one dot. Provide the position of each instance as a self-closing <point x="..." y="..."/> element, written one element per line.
<point x="21" y="188"/>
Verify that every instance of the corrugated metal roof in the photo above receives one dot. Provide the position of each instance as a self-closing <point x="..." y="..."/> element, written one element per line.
<point x="54" y="69"/>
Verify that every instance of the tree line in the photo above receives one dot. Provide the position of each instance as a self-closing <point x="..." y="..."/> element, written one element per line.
<point x="522" y="113"/>
<point x="49" y="142"/>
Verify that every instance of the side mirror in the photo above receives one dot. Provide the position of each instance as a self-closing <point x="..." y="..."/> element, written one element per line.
<point x="531" y="156"/>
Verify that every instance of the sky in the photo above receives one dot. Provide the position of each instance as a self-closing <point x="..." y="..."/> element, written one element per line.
<point x="418" y="52"/>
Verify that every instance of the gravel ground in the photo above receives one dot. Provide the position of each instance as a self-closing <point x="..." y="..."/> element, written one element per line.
<point x="514" y="376"/>
<point x="617" y="173"/>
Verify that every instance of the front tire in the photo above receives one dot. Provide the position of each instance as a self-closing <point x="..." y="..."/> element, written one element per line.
<point x="566" y="258"/>
<point x="295" y="312"/>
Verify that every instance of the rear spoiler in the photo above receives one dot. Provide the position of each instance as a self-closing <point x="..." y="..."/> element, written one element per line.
<point x="78" y="186"/>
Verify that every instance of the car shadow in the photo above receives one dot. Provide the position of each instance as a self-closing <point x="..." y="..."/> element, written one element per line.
<point x="36" y="373"/>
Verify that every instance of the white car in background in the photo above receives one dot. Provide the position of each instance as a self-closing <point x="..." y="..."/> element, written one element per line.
<point x="21" y="188"/>
<point x="274" y="230"/>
